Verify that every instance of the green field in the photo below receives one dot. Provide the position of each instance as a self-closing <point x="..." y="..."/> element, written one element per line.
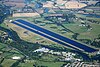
<point x="84" y="33"/>
<point x="30" y="63"/>
<point x="50" y="64"/>
<point x="88" y="18"/>
<point x="16" y="41"/>
<point x="8" y="62"/>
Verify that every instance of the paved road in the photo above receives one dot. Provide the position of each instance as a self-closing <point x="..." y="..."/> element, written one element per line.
<point x="59" y="39"/>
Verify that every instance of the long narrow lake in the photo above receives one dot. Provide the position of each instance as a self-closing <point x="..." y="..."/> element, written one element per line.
<point x="54" y="35"/>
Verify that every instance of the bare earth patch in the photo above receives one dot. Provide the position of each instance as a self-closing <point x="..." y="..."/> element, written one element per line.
<point x="25" y="14"/>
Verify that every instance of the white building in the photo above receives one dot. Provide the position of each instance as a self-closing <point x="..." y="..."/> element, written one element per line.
<point x="42" y="50"/>
<point x="16" y="58"/>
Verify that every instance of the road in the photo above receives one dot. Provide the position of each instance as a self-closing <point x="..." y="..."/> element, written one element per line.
<point x="53" y="36"/>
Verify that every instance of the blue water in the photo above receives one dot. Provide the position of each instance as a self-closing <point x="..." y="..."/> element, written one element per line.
<point x="79" y="45"/>
<point x="43" y="35"/>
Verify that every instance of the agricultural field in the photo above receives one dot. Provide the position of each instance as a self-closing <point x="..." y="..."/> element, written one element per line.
<point x="26" y="40"/>
<point x="83" y="32"/>
<point x="8" y="53"/>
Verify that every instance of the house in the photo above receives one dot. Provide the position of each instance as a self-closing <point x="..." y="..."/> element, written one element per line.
<point x="42" y="50"/>
<point x="16" y="58"/>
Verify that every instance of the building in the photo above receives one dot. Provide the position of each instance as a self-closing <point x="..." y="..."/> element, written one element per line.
<point x="16" y="58"/>
<point x="82" y="64"/>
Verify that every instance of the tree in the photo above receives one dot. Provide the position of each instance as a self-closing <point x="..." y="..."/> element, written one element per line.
<point x="96" y="42"/>
<point x="99" y="36"/>
<point x="4" y="12"/>
<point x="2" y="60"/>
<point x="75" y="36"/>
<point x="69" y="17"/>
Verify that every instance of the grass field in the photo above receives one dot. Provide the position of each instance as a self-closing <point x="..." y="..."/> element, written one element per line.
<point x="95" y="28"/>
<point x="8" y="62"/>
<point x="7" y="54"/>
<point x="30" y="63"/>
<point x="50" y="64"/>
<point x="46" y="59"/>
<point x="29" y="36"/>
<point x="88" y="18"/>
<point x="3" y="25"/>
<point x="8" y="51"/>
<point x="83" y="32"/>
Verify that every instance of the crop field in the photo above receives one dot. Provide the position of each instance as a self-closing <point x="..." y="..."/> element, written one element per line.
<point x="49" y="33"/>
<point x="7" y="54"/>
<point x="25" y="14"/>
<point x="8" y="62"/>
<point x="45" y="60"/>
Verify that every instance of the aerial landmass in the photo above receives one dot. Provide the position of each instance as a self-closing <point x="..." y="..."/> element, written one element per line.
<point x="49" y="33"/>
